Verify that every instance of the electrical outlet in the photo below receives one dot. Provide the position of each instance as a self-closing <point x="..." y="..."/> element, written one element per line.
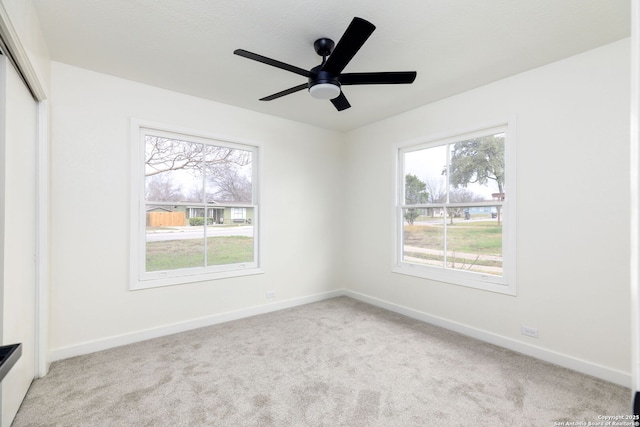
<point x="529" y="331"/>
<point x="271" y="294"/>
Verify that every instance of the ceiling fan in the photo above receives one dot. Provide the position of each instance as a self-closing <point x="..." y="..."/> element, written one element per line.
<point x="326" y="79"/>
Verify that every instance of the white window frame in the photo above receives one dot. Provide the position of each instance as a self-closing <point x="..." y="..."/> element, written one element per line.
<point x="505" y="284"/>
<point x="238" y="213"/>
<point x="141" y="279"/>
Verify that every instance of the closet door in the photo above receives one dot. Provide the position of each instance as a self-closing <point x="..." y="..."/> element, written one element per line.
<point x="18" y="142"/>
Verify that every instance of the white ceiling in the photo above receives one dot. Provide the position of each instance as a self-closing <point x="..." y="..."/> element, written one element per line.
<point x="454" y="45"/>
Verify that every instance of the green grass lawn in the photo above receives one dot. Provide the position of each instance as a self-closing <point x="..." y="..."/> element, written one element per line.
<point x="476" y="239"/>
<point x="188" y="253"/>
<point x="481" y="237"/>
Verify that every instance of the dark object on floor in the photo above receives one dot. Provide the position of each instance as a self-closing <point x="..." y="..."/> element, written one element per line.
<point x="9" y="355"/>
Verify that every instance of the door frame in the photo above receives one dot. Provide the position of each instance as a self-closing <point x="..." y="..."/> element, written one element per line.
<point x="13" y="48"/>
<point x="635" y="204"/>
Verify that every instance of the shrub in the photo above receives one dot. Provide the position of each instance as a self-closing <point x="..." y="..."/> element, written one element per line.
<point x="196" y="220"/>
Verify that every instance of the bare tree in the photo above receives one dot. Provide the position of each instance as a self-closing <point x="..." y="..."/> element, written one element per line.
<point x="165" y="154"/>
<point x="229" y="184"/>
<point x="436" y="190"/>
<point x="215" y="155"/>
<point x="161" y="188"/>
<point x="226" y="171"/>
<point x="461" y="195"/>
<point x="437" y="193"/>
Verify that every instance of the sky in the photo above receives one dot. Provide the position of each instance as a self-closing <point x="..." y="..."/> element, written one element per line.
<point x="428" y="163"/>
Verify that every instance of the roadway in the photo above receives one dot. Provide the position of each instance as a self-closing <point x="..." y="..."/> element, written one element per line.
<point x="184" y="233"/>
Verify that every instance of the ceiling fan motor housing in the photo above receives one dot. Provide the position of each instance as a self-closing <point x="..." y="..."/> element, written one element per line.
<point x="323" y="84"/>
<point x="320" y="76"/>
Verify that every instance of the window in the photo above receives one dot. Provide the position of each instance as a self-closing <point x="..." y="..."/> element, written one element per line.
<point x="194" y="208"/>
<point x="239" y="214"/>
<point x="455" y="209"/>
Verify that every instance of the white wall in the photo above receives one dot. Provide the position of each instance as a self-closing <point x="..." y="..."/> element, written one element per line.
<point x="573" y="204"/>
<point x="90" y="300"/>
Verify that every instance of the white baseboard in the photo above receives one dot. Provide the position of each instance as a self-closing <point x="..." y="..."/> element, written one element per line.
<point x="579" y="365"/>
<point x="130" y="338"/>
<point x="589" y="368"/>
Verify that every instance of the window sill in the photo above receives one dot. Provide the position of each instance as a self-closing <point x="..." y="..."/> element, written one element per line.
<point x="460" y="278"/>
<point x="138" y="284"/>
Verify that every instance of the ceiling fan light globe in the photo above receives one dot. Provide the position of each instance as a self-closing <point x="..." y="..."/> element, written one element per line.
<point x="324" y="91"/>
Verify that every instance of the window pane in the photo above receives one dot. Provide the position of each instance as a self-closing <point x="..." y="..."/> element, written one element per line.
<point x="173" y="170"/>
<point x="231" y="244"/>
<point x="229" y="174"/>
<point x="170" y="243"/>
<point x="423" y="236"/>
<point x="474" y="239"/>
<point x="425" y="175"/>
<point x="477" y="169"/>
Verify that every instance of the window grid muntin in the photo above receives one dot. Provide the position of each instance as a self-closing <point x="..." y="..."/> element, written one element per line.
<point x="144" y="275"/>
<point x="467" y="277"/>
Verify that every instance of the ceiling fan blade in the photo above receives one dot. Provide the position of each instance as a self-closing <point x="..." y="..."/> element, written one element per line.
<point x="383" y="78"/>
<point x="285" y="92"/>
<point x="272" y="62"/>
<point x="351" y="41"/>
<point x="340" y="102"/>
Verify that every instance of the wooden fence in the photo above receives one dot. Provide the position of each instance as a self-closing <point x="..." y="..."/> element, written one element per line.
<point x="166" y="219"/>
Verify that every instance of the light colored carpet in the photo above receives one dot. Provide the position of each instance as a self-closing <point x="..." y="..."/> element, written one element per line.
<point x="338" y="362"/>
